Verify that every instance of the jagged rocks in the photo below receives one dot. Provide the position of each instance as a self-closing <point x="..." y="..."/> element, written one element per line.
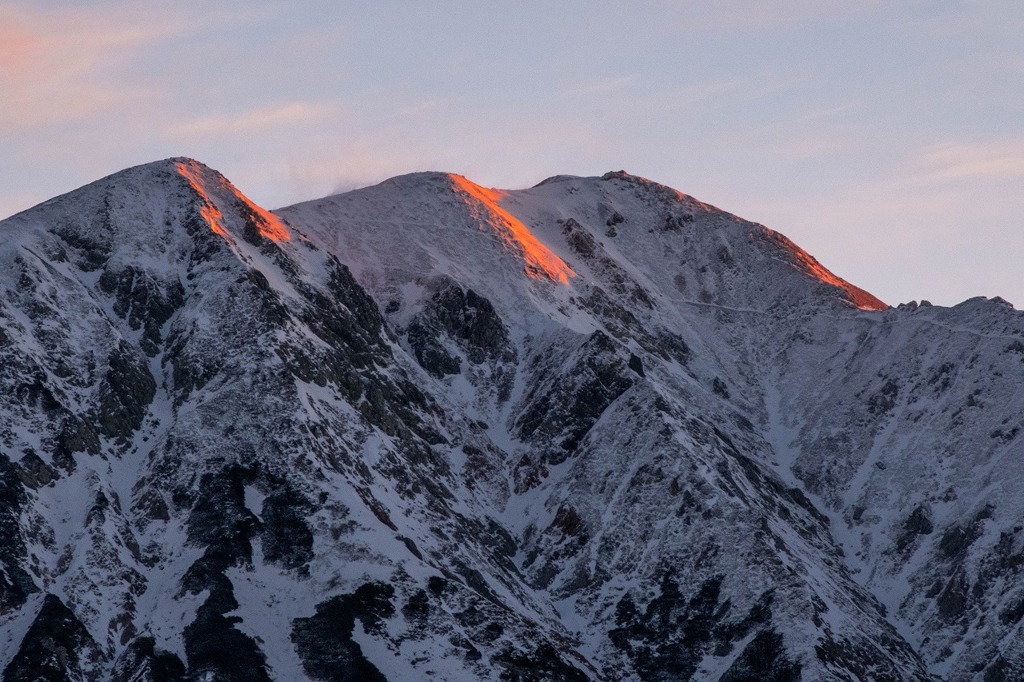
<point x="145" y="302"/>
<point x="669" y="638"/>
<point x="215" y="647"/>
<point x="34" y="472"/>
<point x="563" y="406"/>
<point x="464" y="318"/>
<point x="285" y="534"/>
<point x="56" y="648"/>
<point x="764" y="659"/>
<point x="220" y="519"/>
<point x="539" y="665"/>
<point x="125" y="394"/>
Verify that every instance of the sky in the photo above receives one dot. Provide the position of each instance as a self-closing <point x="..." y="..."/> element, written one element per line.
<point x="885" y="138"/>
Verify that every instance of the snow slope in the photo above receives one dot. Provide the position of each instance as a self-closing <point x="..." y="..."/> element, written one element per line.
<point x="590" y="430"/>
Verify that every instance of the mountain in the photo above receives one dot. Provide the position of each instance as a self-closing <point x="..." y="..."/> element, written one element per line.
<point x="591" y="430"/>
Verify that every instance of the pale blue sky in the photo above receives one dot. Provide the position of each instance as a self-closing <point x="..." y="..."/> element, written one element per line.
<point x="887" y="139"/>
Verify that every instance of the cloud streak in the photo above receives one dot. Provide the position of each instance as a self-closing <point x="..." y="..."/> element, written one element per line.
<point x="257" y="120"/>
<point x="1001" y="161"/>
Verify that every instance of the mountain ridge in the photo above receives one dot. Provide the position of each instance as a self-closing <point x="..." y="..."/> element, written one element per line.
<point x="387" y="433"/>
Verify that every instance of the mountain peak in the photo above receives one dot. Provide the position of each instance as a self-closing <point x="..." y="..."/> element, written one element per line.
<point x="215" y="190"/>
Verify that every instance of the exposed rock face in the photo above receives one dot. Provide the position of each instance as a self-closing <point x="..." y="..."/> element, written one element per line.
<point x="593" y="430"/>
<point x="324" y="640"/>
<point x="56" y="647"/>
<point x="465" y="318"/>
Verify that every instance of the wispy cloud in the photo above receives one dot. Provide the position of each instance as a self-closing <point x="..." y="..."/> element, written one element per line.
<point x="959" y="161"/>
<point x="260" y="119"/>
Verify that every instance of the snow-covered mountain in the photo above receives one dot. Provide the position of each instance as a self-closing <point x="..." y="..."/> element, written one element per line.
<point x="592" y="430"/>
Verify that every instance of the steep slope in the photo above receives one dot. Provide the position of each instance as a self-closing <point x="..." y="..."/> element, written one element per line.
<point x="212" y="443"/>
<point x="775" y="345"/>
<point x="590" y="430"/>
<point x="907" y="430"/>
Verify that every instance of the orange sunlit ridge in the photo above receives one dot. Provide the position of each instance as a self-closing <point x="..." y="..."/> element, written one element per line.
<point x="860" y="298"/>
<point x="267" y="224"/>
<point x="540" y="260"/>
<point x="210" y="213"/>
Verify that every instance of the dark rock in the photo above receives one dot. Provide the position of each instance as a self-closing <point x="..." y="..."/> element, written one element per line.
<point x="220" y="520"/>
<point x="153" y="505"/>
<point x="866" y="660"/>
<point x="286" y="537"/>
<point x="125" y="394"/>
<point x="15" y="582"/>
<point x="75" y="435"/>
<point x="411" y="546"/>
<point x="885" y="399"/>
<point x="417" y="609"/>
<point x="215" y="648"/>
<point x="725" y="257"/>
<point x="191" y="368"/>
<point x="953" y="601"/>
<point x="143" y="301"/>
<point x="616" y="218"/>
<point x="467" y="319"/>
<point x="324" y="640"/>
<point x="57" y="647"/>
<point x="431" y="354"/>
<point x="35" y="391"/>
<point x="956" y="540"/>
<point x="267" y="300"/>
<point x="942" y="378"/>
<point x="719" y="387"/>
<point x="672" y="635"/>
<point x="636" y="364"/>
<point x="437" y="585"/>
<point x="568" y="521"/>
<point x="919" y="522"/>
<point x="358" y="347"/>
<point x="579" y="239"/>
<point x="1001" y="670"/>
<point x="34" y="472"/>
<point x="562" y="409"/>
<point x="92" y="248"/>
<point x="1012" y="614"/>
<point x="609" y="273"/>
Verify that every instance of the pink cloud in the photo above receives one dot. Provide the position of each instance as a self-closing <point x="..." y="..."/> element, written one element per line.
<point x="54" y="63"/>
<point x="65" y="64"/>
